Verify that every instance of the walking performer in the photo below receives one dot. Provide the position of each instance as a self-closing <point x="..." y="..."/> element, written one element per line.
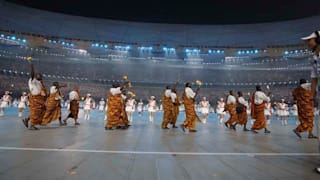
<point x="152" y="108"/>
<point x="115" y="107"/>
<point x="257" y="110"/>
<point x="241" y="109"/>
<point x="167" y="108"/>
<point x="101" y="105"/>
<point x="37" y="99"/>
<point x="6" y="98"/>
<point x="130" y="108"/>
<point x="294" y="112"/>
<point x="303" y="95"/>
<point x="268" y="111"/>
<point x="231" y="108"/>
<point x="283" y="112"/>
<point x="22" y="104"/>
<point x="204" y="104"/>
<point x="188" y="97"/>
<point x="175" y="108"/>
<point x="74" y="98"/>
<point x="140" y="107"/>
<point x="220" y="110"/>
<point x="53" y="105"/>
<point x="87" y="106"/>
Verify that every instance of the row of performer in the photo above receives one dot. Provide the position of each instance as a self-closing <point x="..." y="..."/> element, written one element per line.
<point x="45" y="107"/>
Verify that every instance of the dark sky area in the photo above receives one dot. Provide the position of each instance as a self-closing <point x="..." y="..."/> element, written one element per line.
<point x="183" y="12"/>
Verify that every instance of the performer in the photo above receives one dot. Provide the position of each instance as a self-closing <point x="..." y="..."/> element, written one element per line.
<point x="105" y="110"/>
<point x="115" y="107"/>
<point x="6" y="98"/>
<point x="175" y="107"/>
<point x="130" y="108"/>
<point x="140" y="107"/>
<point x="204" y="105"/>
<point x="167" y="108"/>
<point x="220" y="110"/>
<point x="74" y="98"/>
<point x="152" y="108"/>
<point x="283" y="112"/>
<point x="22" y="104"/>
<point x="303" y="95"/>
<point x="188" y="97"/>
<point x="267" y="111"/>
<point x="37" y="99"/>
<point x="231" y="108"/>
<point x="294" y="112"/>
<point x="124" y="120"/>
<point x="101" y="105"/>
<point x="241" y="110"/>
<point x="53" y="105"/>
<point x="257" y="110"/>
<point x="87" y="106"/>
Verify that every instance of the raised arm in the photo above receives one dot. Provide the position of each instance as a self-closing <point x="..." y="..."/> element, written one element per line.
<point x="32" y="73"/>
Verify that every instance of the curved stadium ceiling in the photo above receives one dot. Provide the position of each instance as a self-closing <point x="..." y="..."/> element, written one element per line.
<point x="29" y="20"/>
<point x="183" y="11"/>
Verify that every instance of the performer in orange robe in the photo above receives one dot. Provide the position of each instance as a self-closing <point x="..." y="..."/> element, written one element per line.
<point x="167" y="108"/>
<point x="116" y="114"/>
<point x="191" y="117"/>
<point x="231" y="108"/>
<point x="53" y="105"/>
<point x="241" y="109"/>
<point x="74" y="97"/>
<point x="257" y="110"/>
<point x="303" y="95"/>
<point x="37" y="99"/>
<point x="175" y="107"/>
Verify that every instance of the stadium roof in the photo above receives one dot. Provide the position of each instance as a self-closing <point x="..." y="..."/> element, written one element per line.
<point x="183" y="12"/>
<point x="29" y="20"/>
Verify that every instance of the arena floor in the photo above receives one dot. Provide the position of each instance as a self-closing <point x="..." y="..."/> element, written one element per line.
<point x="145" y="151"/>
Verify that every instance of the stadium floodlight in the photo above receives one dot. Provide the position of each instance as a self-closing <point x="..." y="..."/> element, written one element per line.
<point x="97" y="44"/>
<point x="286" y="52"/>
<point x="2" y="35"/>
<point x="105" y="46"/>
<point x="239" y="52"/>
<point x="71" y="44"/>
<point x="164" y="49"/>
<point x="218" y="51"/>
<point x="24" y="40"/>
<point x="63" y="43"/>
<point x="13" y="38"/>
<point x="209" y="51"/>
<point x="256" y="51"/>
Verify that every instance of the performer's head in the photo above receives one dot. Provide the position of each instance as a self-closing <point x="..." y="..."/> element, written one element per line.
<point x="115" y="85"/>
<point x="303" y="81"/>
<point x="55" y="84"/>
<point x="24" y="93"/>
<point x="174" y="90"/>
<point x="188" y="84"/>
<point x="102" y="99"/>
<point x="204" y="98"/>
<point x="313" y="40"/>
<point x="76" y="88"/>
<point x="282" y="100"/>
<point x="240" y="94"/>
<point x="258" y="88"/>
<point x="231" y="92"/>
<point x="7" y="93"/>
<point x="88" y="95"/>
<point x="168" y="87"/>
<point x="221" y="99"/>
<point x="152" y="97"/>
<point x="39" y="76"/>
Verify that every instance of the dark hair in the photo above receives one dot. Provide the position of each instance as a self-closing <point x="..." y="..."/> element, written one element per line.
<point x="302" y="81"/>
<point x="188" y="84"/>
<point x="240" y="93"/>
<point x="258" y="88"/>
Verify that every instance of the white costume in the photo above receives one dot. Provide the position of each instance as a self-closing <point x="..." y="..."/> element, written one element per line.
<point x="283" y="109"/>
<point x="5" y="101"/>
<point x="130" y="105"/>
<point x="101" y="105"/>
<point x="267" y="109"/>
<point x="87" y="106"/>
<point x="140" y="107"/>
<point x="152" y="106"/>
<point x="220" y="108"/>
<point x="205" y="107"/>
